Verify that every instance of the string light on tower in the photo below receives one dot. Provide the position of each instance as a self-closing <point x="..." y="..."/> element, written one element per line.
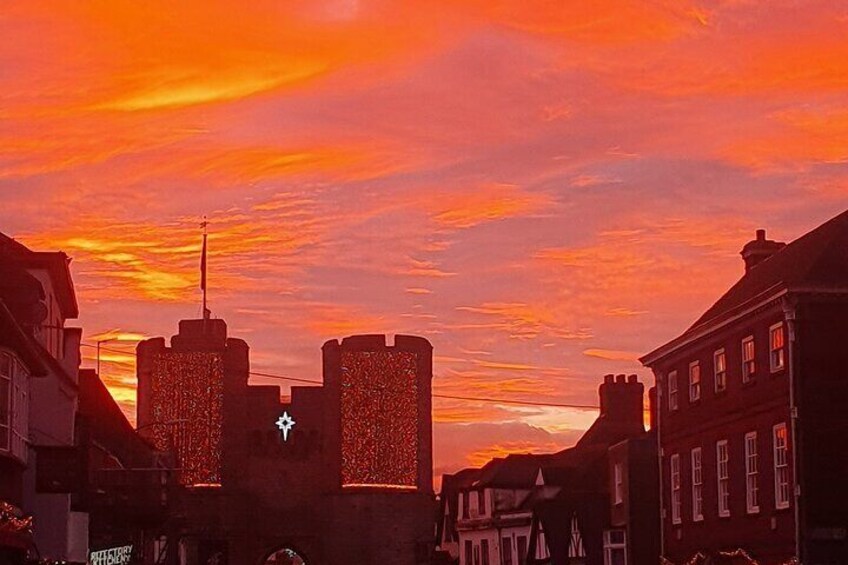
<point x="189" y="387"/>
<point x="379" y="405"/>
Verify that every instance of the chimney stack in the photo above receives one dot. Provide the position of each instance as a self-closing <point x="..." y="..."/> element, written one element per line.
<point x="621" y="399"/>
<point x="757" y="251"/>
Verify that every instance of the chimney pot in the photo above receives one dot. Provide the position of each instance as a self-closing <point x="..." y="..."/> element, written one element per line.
<point x="619" y="379"/>
<point x="608" y="379"/>
<point x="631" y="379"/>
<point x="760" y="249"/>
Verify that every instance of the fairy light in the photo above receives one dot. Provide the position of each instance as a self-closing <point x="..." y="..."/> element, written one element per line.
<point x="379" y="419"/>
<point x="188" y="388"/>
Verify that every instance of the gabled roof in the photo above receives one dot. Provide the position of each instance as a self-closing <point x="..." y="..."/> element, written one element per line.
<point x="56" y="263"/>
<point x="16" y="339"/>
<point x="606" y="431"/>
<point x="451" y="485"/>
<point x="512" y="471"/>
<point x="817" y="260"/>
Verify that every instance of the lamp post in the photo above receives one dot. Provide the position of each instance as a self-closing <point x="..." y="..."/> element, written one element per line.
<point x="99" y="341"/>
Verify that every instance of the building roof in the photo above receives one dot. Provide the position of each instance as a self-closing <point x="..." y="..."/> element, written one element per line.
<point x="451" y="485"/>
<point x="16" y="339"/>
<point x="107" y="425"/>
<point x="512" y="471"/>
<point x="816" y="261"/>
<point x="56" y="263"/>
<point x="606" y="431"/>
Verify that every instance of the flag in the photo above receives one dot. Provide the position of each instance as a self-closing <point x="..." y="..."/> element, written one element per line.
<point x="203" y="265"/>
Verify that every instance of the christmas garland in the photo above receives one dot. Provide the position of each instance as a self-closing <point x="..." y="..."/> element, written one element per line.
<point x="13" y="520"/>
<point x="700" y="558"/>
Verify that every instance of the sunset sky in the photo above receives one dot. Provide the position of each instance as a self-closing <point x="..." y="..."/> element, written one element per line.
<point x="543" y="189"/>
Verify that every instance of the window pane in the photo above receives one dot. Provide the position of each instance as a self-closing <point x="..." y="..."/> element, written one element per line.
<point x="5" y="401"/>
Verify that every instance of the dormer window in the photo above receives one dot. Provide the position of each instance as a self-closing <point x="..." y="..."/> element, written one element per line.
<point x="777" y="347"/>
<point x="748" y="364"/>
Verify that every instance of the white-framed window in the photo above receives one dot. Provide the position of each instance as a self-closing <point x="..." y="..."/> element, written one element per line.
<point x="697" y="486"/>
<point x="676" y="501"/>
<point x="777" y="347"/>
<point x="575" y="544"/>
<point x="7" y="371"/>
<point x="723" y="478"/>
<point x="484" y="550"/>
<point x="521" y="548"/>
<point x="14" y="406"/>
<point x="481" y="502"/>
<point x="615" y="547"/>
<point x="720" y="370"/>
<point x="694" y="381"/>
<point x="618" y="472"/>
<point x="506" y="550"/>
<point x="673" y="399"/>
<point x="781" y="466"/>
<point x="749" y="366"/>
<point x="469" y="553"/>
<point x="752" y="476"/>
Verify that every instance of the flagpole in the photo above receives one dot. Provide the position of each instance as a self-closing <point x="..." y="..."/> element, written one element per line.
<point x="204" y="224"/>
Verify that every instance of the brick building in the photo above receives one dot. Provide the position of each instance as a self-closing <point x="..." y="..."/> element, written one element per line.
<point x="339" y="473"/>
<point x="751" y="420"/>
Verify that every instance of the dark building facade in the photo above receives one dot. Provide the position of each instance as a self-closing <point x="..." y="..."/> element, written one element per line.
<point x="592" y="504"/>
<point x="339" y="473"/>
<point x="127" y="484"/>
<point x="751" y="411"/>
<point x="20" y="361"/>
<point x="595" y="503"/>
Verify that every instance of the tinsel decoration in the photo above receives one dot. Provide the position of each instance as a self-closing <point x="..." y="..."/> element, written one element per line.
<point x="13" y="520"/>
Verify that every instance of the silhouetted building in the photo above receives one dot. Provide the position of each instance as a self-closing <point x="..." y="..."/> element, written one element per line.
<point x="339" y="473"/>
<point x="127" y="483"/>
<point x="752" y="414"/>
<point x="20" y="361"/>
<point x="39" y="293"/>
<point x="447" y="534"/>
<point x="594" y="503"/>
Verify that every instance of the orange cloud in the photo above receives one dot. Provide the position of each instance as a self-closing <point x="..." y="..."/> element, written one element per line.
<point x="612" y="355"/>
<point x="468" y="208"/>
<point x="482" y="456"/>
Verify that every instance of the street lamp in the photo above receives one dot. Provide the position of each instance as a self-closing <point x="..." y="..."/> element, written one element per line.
<point x="99" y="341"/>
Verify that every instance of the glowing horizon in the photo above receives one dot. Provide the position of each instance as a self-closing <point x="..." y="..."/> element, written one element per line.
<point x="544" y="190"/>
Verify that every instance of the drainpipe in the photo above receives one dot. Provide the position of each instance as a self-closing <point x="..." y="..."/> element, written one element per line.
<point x="790" y="314"/>
<point x="661" y="384"/>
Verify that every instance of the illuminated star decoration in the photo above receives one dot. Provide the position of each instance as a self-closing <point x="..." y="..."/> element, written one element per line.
<point x="285" y="423"/>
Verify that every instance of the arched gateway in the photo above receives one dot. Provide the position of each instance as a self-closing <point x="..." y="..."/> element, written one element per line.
<point x="285" y="556"/>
